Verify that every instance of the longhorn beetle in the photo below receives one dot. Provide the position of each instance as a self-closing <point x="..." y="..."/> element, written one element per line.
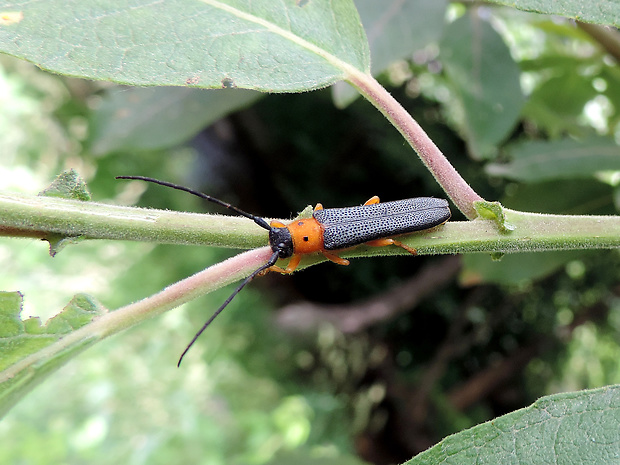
<point x="330" y="229"/>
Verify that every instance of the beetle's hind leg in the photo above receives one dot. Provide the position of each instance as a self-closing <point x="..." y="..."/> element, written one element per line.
<point x="335" y="258"/>
<point x="388" y="241"/>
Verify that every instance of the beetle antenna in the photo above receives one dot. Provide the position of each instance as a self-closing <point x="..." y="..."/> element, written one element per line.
<point x="257" y="219"/>
<point x="272" y="261"/>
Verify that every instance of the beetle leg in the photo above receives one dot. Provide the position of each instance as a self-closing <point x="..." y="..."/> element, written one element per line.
<point x="388" y="241"/>
<point x="277" y="224"/>
<point x="334" y="258"/>
<point x="295" y="259"/>
<point x="373" y="200"/>
<point x="292" y="265"/>
<point x="318" y="207"/>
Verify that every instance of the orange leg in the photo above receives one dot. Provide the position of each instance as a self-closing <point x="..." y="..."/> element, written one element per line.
<point x="387" y="241"/>
<point x="295" y="259"/>
<point x="334" y="258"/>
<point x="292" y="265"/>
<point x="372" y="200"/>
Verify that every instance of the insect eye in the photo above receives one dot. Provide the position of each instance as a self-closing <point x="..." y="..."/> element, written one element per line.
<point x="306" y="239"/>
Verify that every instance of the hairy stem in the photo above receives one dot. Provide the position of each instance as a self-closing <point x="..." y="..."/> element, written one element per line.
<point x="446" y="175"/>
<point x="176" y="294"/>
<point x="36" y="216"/>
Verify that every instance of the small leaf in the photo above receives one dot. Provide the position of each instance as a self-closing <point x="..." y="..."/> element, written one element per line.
<point x="599" y="12"/>
<point x="305" y="213"/>
<point x="20" y="339"/>
<point x="494" y="211"/>
<point x="285" y="46"/>
<point x="58" y="242"/>
<point x="159" y="117"/>
<point x="67" y="185"/>
<point x="536" y="161"/>
<point x="570" y="428"/>
<point x="485" y="81"/>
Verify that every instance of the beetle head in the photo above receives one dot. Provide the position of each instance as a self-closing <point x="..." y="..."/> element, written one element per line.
<point x="281" y="241"/>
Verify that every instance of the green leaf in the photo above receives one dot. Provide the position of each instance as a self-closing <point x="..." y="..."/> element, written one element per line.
<point x="395" y="30"/>
<point x="570" y="428"/>
<point x="494" y="211"/>
<point x="20" y="339"/>
<point x="58" y="242"/>
<point x="67" y="185"/>
<point x="536" y="161"/>
<point x="154" y="118"/>
<point x="284" y="46"/>
<point x="598" y="12"/>
<point x="485" y="80"/>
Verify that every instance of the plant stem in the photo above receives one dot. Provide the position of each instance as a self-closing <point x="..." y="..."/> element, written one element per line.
<point x="36" y="216"/>
<point x="446" y="175"/>
<point x="205" y="281"/>
<point x="39" y="216"/>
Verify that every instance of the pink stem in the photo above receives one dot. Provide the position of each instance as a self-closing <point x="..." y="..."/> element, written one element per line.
<point x="450" y="180"/>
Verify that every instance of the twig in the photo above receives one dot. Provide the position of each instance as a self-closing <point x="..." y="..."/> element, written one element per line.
<point x="353" y="318"/>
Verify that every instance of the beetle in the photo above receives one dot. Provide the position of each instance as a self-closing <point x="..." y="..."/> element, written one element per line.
<point x="329" y="230"/>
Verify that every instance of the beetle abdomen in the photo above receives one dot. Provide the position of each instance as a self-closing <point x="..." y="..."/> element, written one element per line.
<point x="346" y="227"/>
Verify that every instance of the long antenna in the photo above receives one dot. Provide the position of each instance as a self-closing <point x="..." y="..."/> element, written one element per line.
<point x="257" y="219"/>
<point x="272" y="261"/>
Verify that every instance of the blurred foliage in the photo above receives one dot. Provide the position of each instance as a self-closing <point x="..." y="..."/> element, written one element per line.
<point x="501" y="335"/>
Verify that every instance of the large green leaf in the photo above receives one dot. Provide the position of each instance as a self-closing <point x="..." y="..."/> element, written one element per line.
<point x="395" y="30"/>
<point x="485" y="82"/>
<point x="572" y="428"/>
<point x="276" y="46"/>
<point x="160" y="117"/>
<point x="29" y="351"/>
<point x="535" y="161"/>
<point x="20" y="339"/>
<point x="590" y="11"/>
